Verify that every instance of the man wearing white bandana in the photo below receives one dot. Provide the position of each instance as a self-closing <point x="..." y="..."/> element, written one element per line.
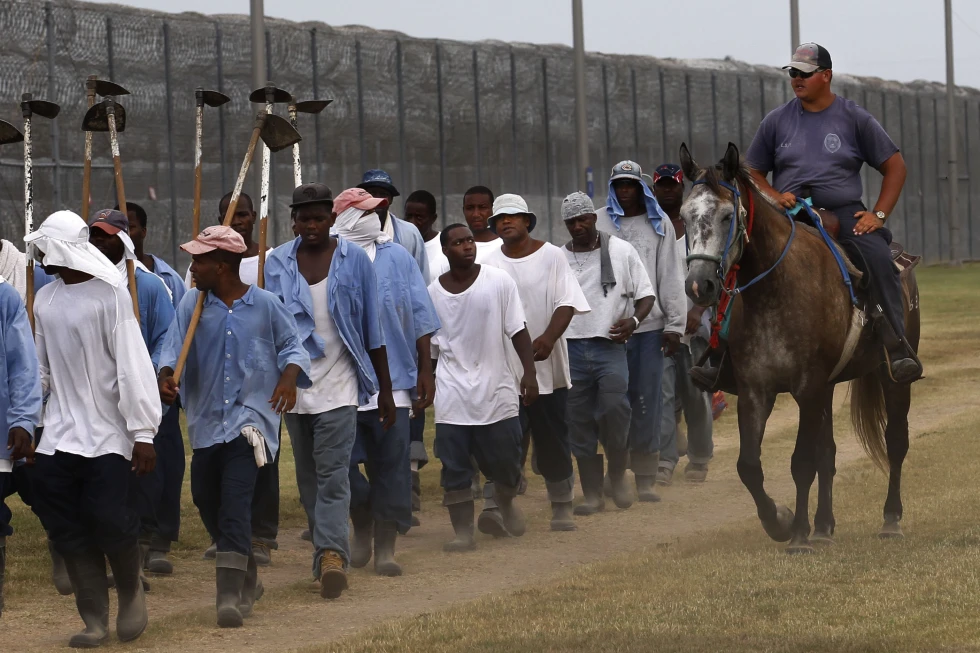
<point x="100" y="421"/>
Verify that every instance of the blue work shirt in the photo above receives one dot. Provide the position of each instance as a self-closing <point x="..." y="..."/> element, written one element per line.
<point x="407" y="235"/>
<point x="407" y="312"/>
<point x="20" y="378"/>
<point x="234" y="365"/>
<point x="174" y="281"/>
<point x="352" y="298"/>
<point x="156" y="310"/>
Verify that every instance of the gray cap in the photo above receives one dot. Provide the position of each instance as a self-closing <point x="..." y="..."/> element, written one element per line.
<point x="576" y="204"/>
<point x="628" y="170"/>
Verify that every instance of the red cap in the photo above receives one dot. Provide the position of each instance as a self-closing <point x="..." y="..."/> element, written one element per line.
<point x="216" y="237"/>
<point x="357" y="198"/>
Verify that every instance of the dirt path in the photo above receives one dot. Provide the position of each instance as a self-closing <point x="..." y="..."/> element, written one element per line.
<point x="292" y="616"/>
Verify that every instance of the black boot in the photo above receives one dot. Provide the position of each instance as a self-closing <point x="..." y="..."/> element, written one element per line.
<point x="58" y="572"/>
<point x="385" y="534"/>
<point x="363" y="523"/>
<point x="252" y="589"/>
<point x="88" y="580"/>
<point x="622" y="495"/>
<point x="590" y="473"/>
<point x="230" y="571"/>
<point x="126" y="568"/>
<point x="461" y="515"/>
<point x="901" y="367"/>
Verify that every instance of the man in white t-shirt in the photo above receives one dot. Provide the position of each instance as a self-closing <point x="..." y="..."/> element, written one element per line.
<point x="618" y="289"/>
<point x="550" y="295"/>
<point x="486" y="370"/>
<point x="100" y="419"/>
<point x="265" y="501"/>
<point x="677" y="389"/>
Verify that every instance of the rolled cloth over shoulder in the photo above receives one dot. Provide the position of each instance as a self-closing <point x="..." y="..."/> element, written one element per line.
<point x="363" y="228"/>
<point x="607" y="278"/>
<point x="63" y="239"/>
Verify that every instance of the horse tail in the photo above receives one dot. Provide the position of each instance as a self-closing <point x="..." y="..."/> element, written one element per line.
<point x="869" y="417"/>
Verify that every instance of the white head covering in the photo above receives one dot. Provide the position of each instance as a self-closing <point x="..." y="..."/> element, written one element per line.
<point x="63" y="239"/>
<point x="363" y="228"/>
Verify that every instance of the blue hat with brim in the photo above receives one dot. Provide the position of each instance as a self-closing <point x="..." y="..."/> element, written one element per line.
<point x="379" y="179"/>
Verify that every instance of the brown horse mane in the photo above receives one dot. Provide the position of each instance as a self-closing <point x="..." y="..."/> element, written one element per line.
<point x="712" y="178"/>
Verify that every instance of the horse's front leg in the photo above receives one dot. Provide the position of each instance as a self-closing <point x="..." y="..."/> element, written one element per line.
<point x="754" y="407"/>
<point x="898" y="398"/>
<point x="823" y="520"/>
<point x="815" y="414"/>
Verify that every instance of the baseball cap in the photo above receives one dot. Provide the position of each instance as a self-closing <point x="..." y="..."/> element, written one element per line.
<point x="216" y="237"/>
<point x="311" y="194"/>
<point x="510" y="204"/>
<point x="810" y="56"/>
<point x="110" y="221"/>
<point x="668" y="170"/>
<point x="628" y="170"/>
<point x="576" y="204"/>
<point x="378" y="178"/>
<point x="357" y="198"/>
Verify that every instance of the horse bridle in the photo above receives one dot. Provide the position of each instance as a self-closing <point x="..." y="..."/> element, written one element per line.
<point x="736" y="231"/>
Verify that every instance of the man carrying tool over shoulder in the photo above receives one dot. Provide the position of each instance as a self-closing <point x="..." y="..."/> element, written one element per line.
<point x="243" y="367"/>
<point x="821" y="140"/>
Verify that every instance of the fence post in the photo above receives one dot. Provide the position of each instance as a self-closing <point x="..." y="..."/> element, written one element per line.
<point x="636" y="116"/>
<point x="741" y="133"/>
<point x="605" y="114"/>
<point x="52" y="91"/>
<point x="513" y="117"/>
<point x="687" y="102"/>
<point x="221" y="109"/>
<point x="401" y="112"/>
<point x="969" y="179"/>
<point x="316" y="116"/>
<point x="442" y="136"/>
<point x="109" y="48"/>
<point x="547" y="143"/>
<point x="714" y="114"/>
<point x="922" y="174"/>
<point x="476" y="111"/>
<point x="170" y="143"/>
<point x="663" y="112"/>
<point x="360" y="103"/>
<point x="939" y="194"/>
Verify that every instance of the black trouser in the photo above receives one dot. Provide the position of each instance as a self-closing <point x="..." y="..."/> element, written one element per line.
<point x="222" y="483"/>
<point x="17" y="482"/>
<point x="265" y="504"/>
<point x="552" y="450"/>
<point x="83" y="502"/>
<point x="885" y="278"/>
<point x="156" y="496"/>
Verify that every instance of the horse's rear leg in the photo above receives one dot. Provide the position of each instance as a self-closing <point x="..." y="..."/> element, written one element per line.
<point x="815" y="413"/>
<point x="754" y="408"/>
<point x="898" y="399"/>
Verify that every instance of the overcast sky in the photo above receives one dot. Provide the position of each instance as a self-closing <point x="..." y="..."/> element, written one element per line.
<point x="893" y="39"/>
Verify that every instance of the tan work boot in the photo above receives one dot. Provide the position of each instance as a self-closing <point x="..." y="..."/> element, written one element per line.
<point x="333" y="578"/>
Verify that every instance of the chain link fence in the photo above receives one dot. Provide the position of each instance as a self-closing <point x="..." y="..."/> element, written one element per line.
<point x="438" y="115"/>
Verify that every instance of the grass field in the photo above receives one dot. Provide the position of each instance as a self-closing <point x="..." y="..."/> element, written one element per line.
<point x="725" y="588"/>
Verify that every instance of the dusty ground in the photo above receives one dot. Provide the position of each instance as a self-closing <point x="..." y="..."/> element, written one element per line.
<point x="291" y="615"/>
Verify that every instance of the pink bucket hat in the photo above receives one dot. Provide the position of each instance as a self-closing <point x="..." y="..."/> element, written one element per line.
<point x="216" y="237"/>
<point x="357" y="198"/>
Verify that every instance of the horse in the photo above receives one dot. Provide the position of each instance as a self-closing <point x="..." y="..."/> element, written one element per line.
<point x="789" y="332"/>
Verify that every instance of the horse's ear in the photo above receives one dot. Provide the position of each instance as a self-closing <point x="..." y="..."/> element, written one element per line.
<point x="730" y="163"/>
<point x="690" y="167"/>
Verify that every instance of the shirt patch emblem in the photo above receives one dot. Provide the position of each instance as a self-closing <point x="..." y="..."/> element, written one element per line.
<point x="831" y="143"/>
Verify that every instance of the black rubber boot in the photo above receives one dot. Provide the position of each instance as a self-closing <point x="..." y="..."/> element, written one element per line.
<point x="590" y="473"/>
<point x="561" y="516"/>
<point x="59" y="575"/>
<point x="622" y="495"/>
<point x="91" y="587"/>
<point x="230" y="581"/>
<point x="360" y="550"/>
<point x="385" y="535"/>
<point x="252" y="589"/>
<point x="644" y="488"/>
<point x="461" y="515"/>
<point x="126" y="568"/>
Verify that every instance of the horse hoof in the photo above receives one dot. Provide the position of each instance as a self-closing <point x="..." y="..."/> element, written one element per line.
<point x="781" y="530"/>
<point x="800" y="548"/>
<point x="891" y="530"/>
<point x="822" y="538"/>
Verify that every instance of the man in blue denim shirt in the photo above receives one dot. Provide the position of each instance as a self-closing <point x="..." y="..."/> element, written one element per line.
<point x="242" y="372"/>
<point x="329" y="286"/>
<point x="381" y="505"/>
<point x="20" y="405"/>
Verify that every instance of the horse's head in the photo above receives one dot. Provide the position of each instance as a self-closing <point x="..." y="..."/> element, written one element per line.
<point x="714" y="219"/>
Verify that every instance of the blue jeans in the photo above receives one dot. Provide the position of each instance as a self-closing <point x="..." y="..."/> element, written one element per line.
<point x="645" y="360"/>
<point x="495" y="447"/>
<point x="222" y="484"/>
<point x="598" y="408"/>
<point x="322" y="445"/>
<point x="679" y="393"/>
<point x="387" y="490"/>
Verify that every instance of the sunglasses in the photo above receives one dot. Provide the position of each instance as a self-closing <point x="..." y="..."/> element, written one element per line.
<point x="794" y="73"/>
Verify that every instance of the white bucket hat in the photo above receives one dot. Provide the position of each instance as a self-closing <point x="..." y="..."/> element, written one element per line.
<point x="510" y="204"/>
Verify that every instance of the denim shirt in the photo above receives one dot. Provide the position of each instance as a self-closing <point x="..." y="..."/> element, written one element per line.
<point x="156" y="310"/>
<point x="20" y="378"/>
<point x="407" y="312"/>
<point x="174" y="281"/>
<point x="407" y="235"/>
<point x="352" y="297"/>
<point x="234" y="365"/>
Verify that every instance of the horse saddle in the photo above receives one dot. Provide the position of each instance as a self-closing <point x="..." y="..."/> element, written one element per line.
<point x="902" y="259"/>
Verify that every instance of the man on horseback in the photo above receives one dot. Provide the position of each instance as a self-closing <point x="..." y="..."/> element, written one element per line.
<point x="817" y="142"/>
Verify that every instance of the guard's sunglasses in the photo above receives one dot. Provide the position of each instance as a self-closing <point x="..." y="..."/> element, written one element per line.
<point x="794" y="73"/>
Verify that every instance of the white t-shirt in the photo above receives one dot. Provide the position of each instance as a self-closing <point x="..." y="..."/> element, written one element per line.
<point x="248" y="272"/>
<point x="545" y="282"/>
<point x="104" y="395"/>
<point x="632" y="283"/>
<point x="482" y="251"/>
<point x="477" y="382"/>
<point x="437" y="260"/>
<point x="334" y="376"/>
